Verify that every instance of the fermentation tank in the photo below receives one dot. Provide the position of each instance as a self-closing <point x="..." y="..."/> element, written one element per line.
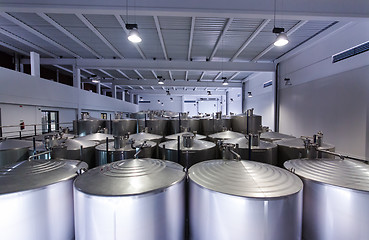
<point x="261" y="151"/>
<point x="97" y="137"/>
<point x="225" y="135"/>
<point x="120" y="127"/>
<point x="191" y="150"/>
<point x="142" y="136"/>
<point x="274" y="136"/>
<point x="135" y="199"/>
<point x="86" y="126"/>
<point x="240" y="200"/>
<point x="247" y="123"/>
<point x="36" y="199"/>
<point x="336" y="196"/>
<point x="175" y="136"/>
<point x="295" y="148"/>
<point x="122" y="148"/>
<point x="153" y="125"/>
<point x="213" y="125"/>
<point x="12" y="151"/>
<point x="183" y="123"/>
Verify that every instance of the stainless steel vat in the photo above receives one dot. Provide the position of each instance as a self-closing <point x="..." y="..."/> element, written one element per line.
<point x="213" y="125"/>
<point x="191" y="150"/>
<point x="274" y="136"/>
<point x="75" y="149"/>
<point x="12" y="151"/>
<point x="186" y="124"/>
<point x="225" y="135"/>
<point x="124" y="126"/>
<point x="156" y="126"/>
<point x="134" y="199"/>
<point x="240" y="200"/>
<point x="122" y="148"/>
<point x="247" y="122"/>
<point x="36" y="199"/>
<point x="264" y="152"/>
<point x="175" y="136"/>
<point x="336" y="196"/>
<point x="294" y="148"/>
<point x="89" y="126"/>
<point x="97" y="137"/>
<point x="142" y="136"/>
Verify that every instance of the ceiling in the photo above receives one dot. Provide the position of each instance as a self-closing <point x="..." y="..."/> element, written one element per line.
<point x="188" y="48"/>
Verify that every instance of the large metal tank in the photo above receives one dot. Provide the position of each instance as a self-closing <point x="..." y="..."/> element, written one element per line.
<point x="274" y="136"/>
<point x="247" y="123"/>
<point x="12" y="151"/>
<point x="36" y="199"/>
<point x="97" y="137"/>
<point x="244" y="200"/>
<point x="175" y="136"/>
<point x="134" y="199"/>
<point x="191" y="150"/>
<point x="89" y="126"/>
<point x="122" y="148"/>
<point x="213" y="125"/>
<point x="184" y="123"/>
<point x="138" y="115"/>
<point x="155" y="125"/>
<point x="143" y="136"/>
<point x="295" y="148"/>
<point x="120" y="127"/>
<point x="56" y="135"/>
<point x="336" y="196"/>
<point x="75" y="149"/>
<point x="261" y="151"/>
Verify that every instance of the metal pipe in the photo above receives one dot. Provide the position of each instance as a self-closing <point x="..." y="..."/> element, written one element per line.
<point x="249" y="146"/>
<point x="107" y="149"/>
<point x="34" y="145"/>
<point x="35" y="128"/>
<point x="163" y="152"/>
<point x="81" y="153"/>
<point x="179" y="148"/>
<point x="341" y="156"/>
<point x="276" y="99"/>
<point x="37" y="155"/>
<point x="238" y="157"/>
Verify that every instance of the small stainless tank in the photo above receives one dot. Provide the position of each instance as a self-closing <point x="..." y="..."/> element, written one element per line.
<point x="336" y="196"/>
<point x="295" y="148"/>
<point x="191" y="150"/>
<point x="135" y="199"/>
<point x="175" y="136"/>
<point x="120" y="127"/>
<point x="261" y="151"/>
<point x="274" y="136"/>
<point x="253" y="125"/>
<point x="122" y="148"/>
<point x="213" y="125"/>
<point x="97" y="137"/>
<point x="240" y="200"/>
<point x="12" y="151"/>
<point x="36" y="199"/>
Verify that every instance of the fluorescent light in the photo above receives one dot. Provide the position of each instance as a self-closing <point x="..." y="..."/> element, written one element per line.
<point x="161" y="82"/>
<point x="225" y="83"/>
<point x="281" y="40"/>
<point x="95" y="81"/>
<point x="134" y="37"/>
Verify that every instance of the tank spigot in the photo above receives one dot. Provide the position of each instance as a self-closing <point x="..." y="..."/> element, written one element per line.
<point x="229" y="151"/>
<point x="140" y="148"/>
<point x="311" y="149"/>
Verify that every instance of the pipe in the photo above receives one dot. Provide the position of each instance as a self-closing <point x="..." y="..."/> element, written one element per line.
<point x="107" y="149"/>
<point x="342" y="156"/>
<point x="276" y="99"/>
<point x="37" y="155"/>
<point x="238" y="157"/>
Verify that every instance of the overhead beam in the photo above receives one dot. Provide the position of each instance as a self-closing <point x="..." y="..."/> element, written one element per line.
<point x="161" y="65"/>
<point x="4" y="44"/>
<point x="193" y="19"/>
<point x="106" y="73"/>
<point x="217" y="76"/>
<point x="139" y="74"/>
<point x="179" y="92"/>
<point x="201" y="76"/>
<point x="123" y="74"/>
<point x="160" y="34"/>
<point x="220" y="38"/>
<point x="233" y="75"/>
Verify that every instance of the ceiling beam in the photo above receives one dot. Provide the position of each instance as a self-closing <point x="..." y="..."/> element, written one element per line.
<point x="189" y="91"/>
<point x="160" y="65"/>
<point x="37" y="33"/>
<point x="233" y="75"/>
<point x="217" y="76"/>
<point x="160" y="34"/>
<point x="186" y="76"/>
<point x="201" y="76"/>
<point x="106" y="73"/>
<point x="123" y="74"/>
<point x="139" y="74"/>
<point x="271" y="46"/>
<point x="98" y="34"/>
<point x="220" y="38"/>
<point x="193" y="19"/>
<point x="4" y="44"/>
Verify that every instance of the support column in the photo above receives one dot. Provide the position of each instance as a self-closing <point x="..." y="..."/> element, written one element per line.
<point x="35" y="64"/>
<point x="16" y="62"/>
<point x="57" y="75"/>
<point x="114" y="91"/>
<point x="98" y="88"/>
<point x="243" y="97"/>
<point x="227" y="103"/>
<point x="76" y="77"/>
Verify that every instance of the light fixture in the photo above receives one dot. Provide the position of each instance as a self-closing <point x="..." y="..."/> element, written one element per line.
<point x="225" y="81"/>
<point x="249" y="94"/>
<point x="133" y="35"/>
<point x="158" y="101"/>
<point x="168" y="93"/>
<point x="287" y="82"/>
<point x="209" y="93"/>
<point x="282" y="38"/>
<point x="162" y="104"/>
<point x="95" y="79"/>
<point x="171" y="99"/>
<point x="160" y="80"/>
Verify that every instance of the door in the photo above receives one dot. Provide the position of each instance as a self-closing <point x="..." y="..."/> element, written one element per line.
<point x="50" y="121"/>
<point x="1" y="129"/>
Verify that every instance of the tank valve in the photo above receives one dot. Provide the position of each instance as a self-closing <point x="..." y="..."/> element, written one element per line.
<point x="229" y="152"/>
<point x="140" y="147"/>
<point x="311" y="149"/>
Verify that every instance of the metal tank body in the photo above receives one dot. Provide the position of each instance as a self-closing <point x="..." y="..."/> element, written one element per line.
<point x="75" y="149"/>
<point x="143" y="136"/>
<point x="213" y="125"/>
<point x="274" y="136"/>
<point x="247" y="121"/>
<point x="241" y="200"/>
<point x="134" y="199"/>
<point x="97" y="137"/>
<point x="36" y="199"/>
<point x="156" y="126"/>
<point x="336" y="196"/>
<point x="264" y="152"/>
<point x="192" y="150"/>
<point x="225" y="135"/>
<point x="121" y="127"/>
<point x="12" y="151"/>
<point x="89" y="126"/>
<point x="294" y="148"/>
<point x="175" y="136"/>
<point x="122" y="149"/>
<point x="185" y="124"/>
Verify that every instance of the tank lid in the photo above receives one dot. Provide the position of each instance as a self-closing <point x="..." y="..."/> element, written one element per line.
<point x="38" y="173"/>
<point x="198" y="145"/>
<point x="145" y="136"/>
<point x="75" y="144"/>
<point x="274" y="136"/>
<point x="126" y="148"/>
<point x="14" y="144"/>
<point x="299" y="143"/>
<point x="130" y="177"/>
<point x="226" y="135"/>
<point x="244" y="143"/>
<point x="175" y="136"/>
<point x="342" y="173"/>
<point x="245" y="178"/>
<point x="96" y="137"/>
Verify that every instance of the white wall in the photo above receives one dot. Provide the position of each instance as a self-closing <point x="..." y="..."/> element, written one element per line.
<point x="175" y="105"/>
<point x="262" y="99"/>
<point x="234" y="106"/>
<point x="36" y="94"/>
<point x="333" y="98"/>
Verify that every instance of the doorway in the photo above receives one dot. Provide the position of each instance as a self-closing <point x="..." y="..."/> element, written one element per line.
<point x="50" y="121"/>
<point x="1" y="129"/>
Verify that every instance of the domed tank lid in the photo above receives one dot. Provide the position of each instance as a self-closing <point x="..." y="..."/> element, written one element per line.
<point x="273" y="136"/>
<point x="245" y="178"/>
<point x="175" y="136"/>
<point x="130" y="177"/>
<point x="37" y="173"/>
<point x="126" y="148"/>
<point x="244" y="143"/>
<point x="96" y="137"/>
<point x="342" y="173"/>
<point x="299" y="143"/>
<point x="75" y="144"/>
<point x="145" y="136"/>
<point x="198" y="145"/>
<point x="14" y="144"/>
<point x="226" y="135"/>
<point x="124" y="119"/>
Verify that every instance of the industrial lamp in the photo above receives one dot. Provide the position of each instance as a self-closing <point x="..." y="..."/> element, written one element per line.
<point x="133" y="35"/>
<point x="249" y="94"/>
<point x="225" y="81"/>
<point x="282" y="38"/>
<point x="160" y="80"/>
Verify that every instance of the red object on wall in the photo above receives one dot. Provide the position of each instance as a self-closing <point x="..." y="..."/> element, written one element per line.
<point x="21" y="126"/>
